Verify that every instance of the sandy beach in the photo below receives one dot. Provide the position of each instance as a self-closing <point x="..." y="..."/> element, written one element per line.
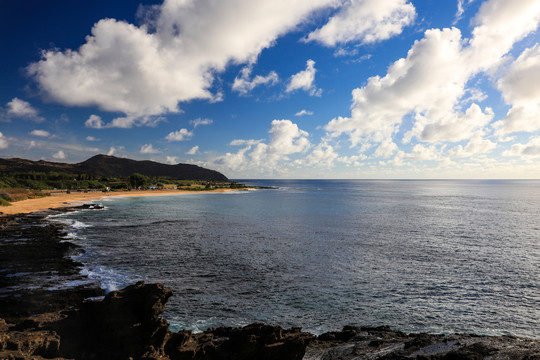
<point x="63" y="199"/>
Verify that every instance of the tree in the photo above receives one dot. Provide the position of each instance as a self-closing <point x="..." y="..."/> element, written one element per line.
<point x="138" y="180"/>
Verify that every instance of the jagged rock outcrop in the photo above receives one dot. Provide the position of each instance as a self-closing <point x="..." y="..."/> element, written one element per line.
<point x="18" y="342"/>
<point x="255" y="341"/>
<point x="126" y="323"/>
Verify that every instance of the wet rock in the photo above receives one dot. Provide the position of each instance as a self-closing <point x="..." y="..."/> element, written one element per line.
<point x="346" y="334"/>
<point x="385" y="343"/>
<point x="92" y="206"/>
<point x="36" y="263"/>
<point x="259" y="341"/>
<point x="255" y="341"/>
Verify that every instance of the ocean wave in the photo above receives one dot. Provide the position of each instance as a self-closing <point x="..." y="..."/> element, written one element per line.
<point x="71" y="236"/>
<point x="75" y="224"/>
<point x="18" y="274"/>
<point x="200" y="326"/>
<point x="65" y="219"/>
<point x="57" y="217"/>
<point x="70" y="284"/>
<point x="109" y="279"/>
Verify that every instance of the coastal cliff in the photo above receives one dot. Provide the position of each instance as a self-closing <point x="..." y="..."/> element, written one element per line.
<point x="40" y="319"/>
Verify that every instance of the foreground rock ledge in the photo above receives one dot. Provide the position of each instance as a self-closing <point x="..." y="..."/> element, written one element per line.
<point x="126" y="324"/>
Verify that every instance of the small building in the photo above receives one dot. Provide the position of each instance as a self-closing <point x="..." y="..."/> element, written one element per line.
<point x="152" y="187"/>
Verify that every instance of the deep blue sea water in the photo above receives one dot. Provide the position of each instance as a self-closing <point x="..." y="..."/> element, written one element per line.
<point x="432" y="256"/>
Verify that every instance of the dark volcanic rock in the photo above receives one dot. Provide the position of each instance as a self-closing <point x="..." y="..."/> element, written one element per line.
<point x="35" y="264"/>
<point x="385" y="343"/>
<point x="124" y="324"/>
<point x="255" y="341"/>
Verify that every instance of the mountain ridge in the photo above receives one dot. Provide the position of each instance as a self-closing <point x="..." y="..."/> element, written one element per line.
<point x="112" y="166"/>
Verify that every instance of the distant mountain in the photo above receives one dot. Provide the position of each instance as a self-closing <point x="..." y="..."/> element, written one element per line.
<point x="111" y="166"/>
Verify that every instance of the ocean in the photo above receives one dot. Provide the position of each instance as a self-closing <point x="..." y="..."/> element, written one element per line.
<point x="419" y="256"/>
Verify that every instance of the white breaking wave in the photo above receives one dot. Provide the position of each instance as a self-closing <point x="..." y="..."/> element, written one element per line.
<point x="109" y="279"/>
<point x="75" y="224"/>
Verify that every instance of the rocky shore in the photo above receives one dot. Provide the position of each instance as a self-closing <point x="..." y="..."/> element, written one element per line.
<point x="42" y="318"/>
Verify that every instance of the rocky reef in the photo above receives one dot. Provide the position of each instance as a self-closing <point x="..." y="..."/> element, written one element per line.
<point x="126" y="324"/>
<point x="50" y="322"/>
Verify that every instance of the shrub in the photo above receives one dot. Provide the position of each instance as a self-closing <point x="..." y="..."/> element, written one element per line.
<point x="5" y="196"/>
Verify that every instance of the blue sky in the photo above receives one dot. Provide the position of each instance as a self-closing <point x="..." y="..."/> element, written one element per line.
<point x="277" y="89"/>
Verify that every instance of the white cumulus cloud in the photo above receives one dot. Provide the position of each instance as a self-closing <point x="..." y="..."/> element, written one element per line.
<point x="94" y="122"/>
<point x="126" y="122"/>
<point x="353" y="160"/>
<point x="241" y="142"/>
<point x="322" y="155"/>
<point x="422" y="153"/>
<point x="180" y="135"/>
<point x="173" y="57"/>
<point x="60" y="155"/>
<point x="172" y="160"/>
<point x="531" y="149"/>
<point x="113" y="150"/>
<point x="3" y="142"/>
<point x="454" y="127"/>
<point x="244" y="85"/>
<point x="40" y="133"/>
<point x="200" y="121"/>
<point x="365" y="21"/>
<point x="304" y="112"/>
<point x="477" y="145"/>
<point x="431" y="81"/>
<point x="194" y="150"/>
<point x="148" y="149"/>
<point x="20" y="108"/>
<point x="304" y="80"/>
<point x="345" y="52"/>
<point x="520" y="88"/>
<point x="386" y="149"/>
<point x="285" y="139"/>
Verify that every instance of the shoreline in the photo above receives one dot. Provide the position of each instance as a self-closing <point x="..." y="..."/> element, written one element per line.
<point x="45" y="322"/>
<point x="62" y="200"/>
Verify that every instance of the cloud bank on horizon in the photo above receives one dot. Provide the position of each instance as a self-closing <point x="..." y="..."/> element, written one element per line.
<point x="217" y="83"/>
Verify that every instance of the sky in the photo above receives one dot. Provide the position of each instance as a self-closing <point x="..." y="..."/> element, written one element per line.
<point x="334" y="89"/>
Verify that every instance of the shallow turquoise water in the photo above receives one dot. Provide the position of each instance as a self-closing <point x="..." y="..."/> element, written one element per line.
<point x="435" y="256"/>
